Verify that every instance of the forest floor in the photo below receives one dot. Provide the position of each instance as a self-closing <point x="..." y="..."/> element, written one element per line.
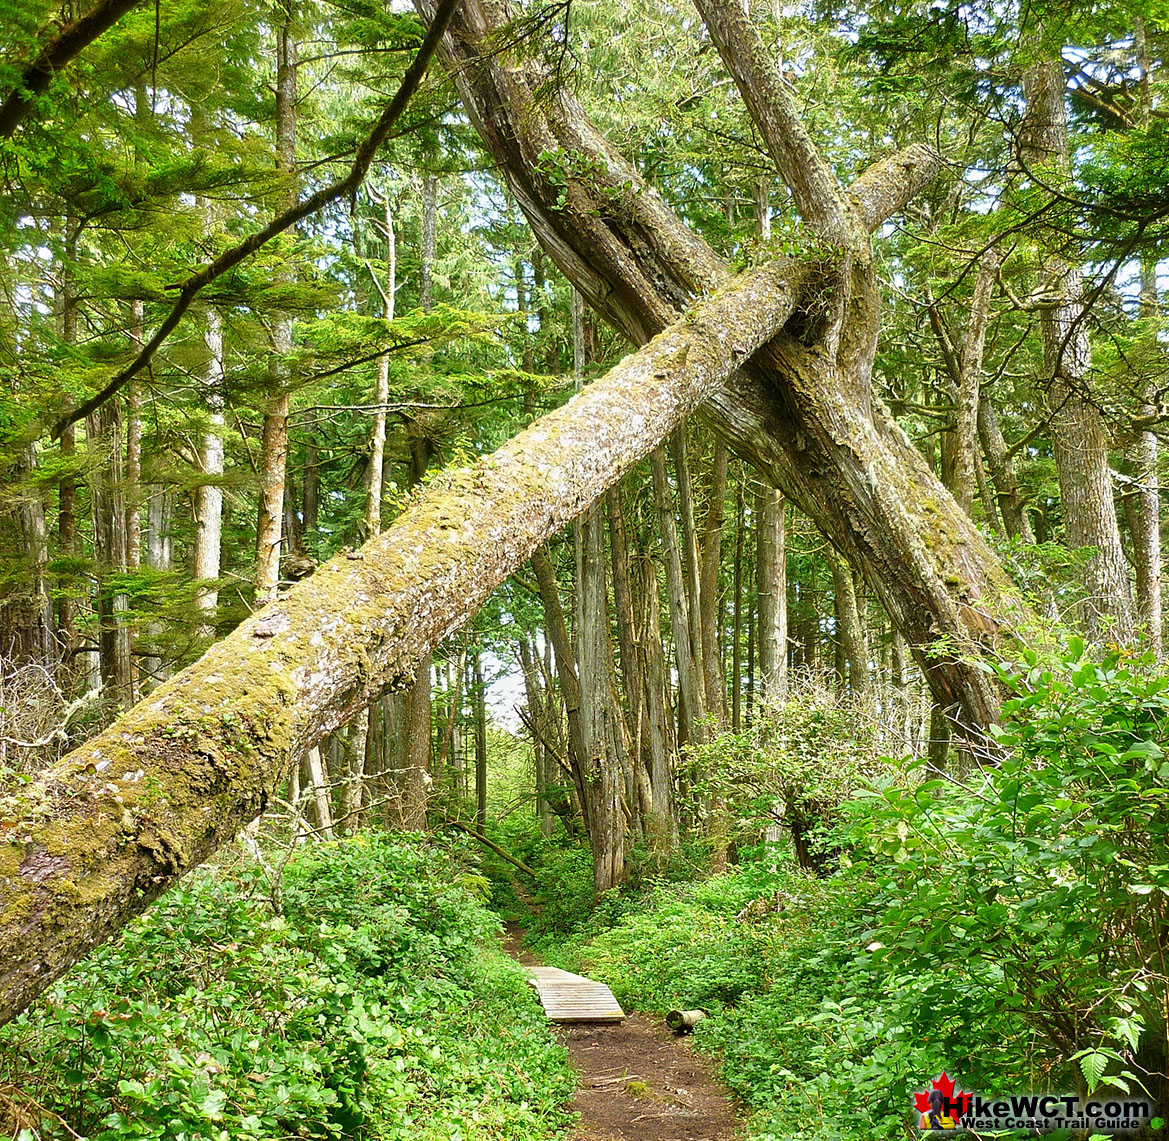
<point x="637" y="1080"/>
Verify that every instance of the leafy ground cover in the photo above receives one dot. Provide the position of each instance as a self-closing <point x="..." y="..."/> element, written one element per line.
<point x="375" y="1004"/>
<point x="1004" y="923"/>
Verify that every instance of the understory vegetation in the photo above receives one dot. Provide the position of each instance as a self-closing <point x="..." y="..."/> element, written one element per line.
<point x="375" y="1003"/>
<point x="1004" y="924"/>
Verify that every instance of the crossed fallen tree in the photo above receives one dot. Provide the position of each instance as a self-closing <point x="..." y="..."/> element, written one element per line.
<point x="777" y="358"/>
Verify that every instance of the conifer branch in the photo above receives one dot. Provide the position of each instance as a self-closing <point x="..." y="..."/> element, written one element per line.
<point x="66" y="46"/>
<point x="199" y="280"/>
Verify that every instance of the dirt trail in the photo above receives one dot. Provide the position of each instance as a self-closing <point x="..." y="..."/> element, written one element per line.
<point x="638" y="1081"/>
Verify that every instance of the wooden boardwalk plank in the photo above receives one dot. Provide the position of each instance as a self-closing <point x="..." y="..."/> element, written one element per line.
<point x="570" y="998"/>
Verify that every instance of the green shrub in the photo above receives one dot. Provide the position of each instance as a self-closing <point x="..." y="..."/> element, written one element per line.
<point x="378" y="1005"/>
<point x="1036" y="886"/>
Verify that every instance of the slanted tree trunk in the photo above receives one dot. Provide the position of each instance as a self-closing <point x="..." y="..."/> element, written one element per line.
<point x="203" y="753"/>
<point x="158" y="557"/>
<point x="801" y="411"/>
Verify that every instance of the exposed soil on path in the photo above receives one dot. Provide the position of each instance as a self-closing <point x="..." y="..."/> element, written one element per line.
<point x="637" y="1080"/>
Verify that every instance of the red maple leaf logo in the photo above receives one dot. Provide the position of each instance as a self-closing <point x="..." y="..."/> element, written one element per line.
<point x="944" y="1084"/>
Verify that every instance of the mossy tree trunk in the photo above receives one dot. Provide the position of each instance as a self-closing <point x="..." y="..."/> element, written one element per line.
<point x="98" y="836"/>
<point x="801" y="409"/>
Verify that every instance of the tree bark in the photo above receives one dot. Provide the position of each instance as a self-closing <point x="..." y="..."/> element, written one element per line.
<point x="801" y="415"/>
<point x="1077" y="427"/>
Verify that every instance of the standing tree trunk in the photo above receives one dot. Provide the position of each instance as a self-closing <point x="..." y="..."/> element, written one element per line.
<point x="36" y="642"/>
<point x="209" y="495"/>
<point x="274" y="438"/>
<point x="480" y="703"/>
<point x="965" y="372"/>
<point x="600" y="778"/>
<point x="429" y="241"/>
<point x="849" y="628"/>
<point x="771" y="592"/>
<point x="1002" y="472"/>
<point x="692" y="697"/>
<point x="1077" y="427"/>
<point x="354" y="789"/>
<point x="158" y="557"/>
<point x="67" y="486"/>
<point x="107" y="493"/>
<point x="716" y="698"/>
<point x="1147" y="514"/>
<point x="737" y="606"/>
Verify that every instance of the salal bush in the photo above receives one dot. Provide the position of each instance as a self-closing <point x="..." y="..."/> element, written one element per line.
<point x="377" y="1005"/>
<point x="1020" y="914"/>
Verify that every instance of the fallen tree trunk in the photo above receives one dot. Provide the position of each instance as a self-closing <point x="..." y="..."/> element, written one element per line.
<point x="109" y="828"/>
<point x="800" y="410"/>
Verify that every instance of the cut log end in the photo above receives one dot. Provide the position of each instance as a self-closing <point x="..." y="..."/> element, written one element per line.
<point x="684" y="1021"/>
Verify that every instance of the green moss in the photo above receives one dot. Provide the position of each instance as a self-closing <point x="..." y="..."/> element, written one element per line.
<point x="11" y="857"/>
